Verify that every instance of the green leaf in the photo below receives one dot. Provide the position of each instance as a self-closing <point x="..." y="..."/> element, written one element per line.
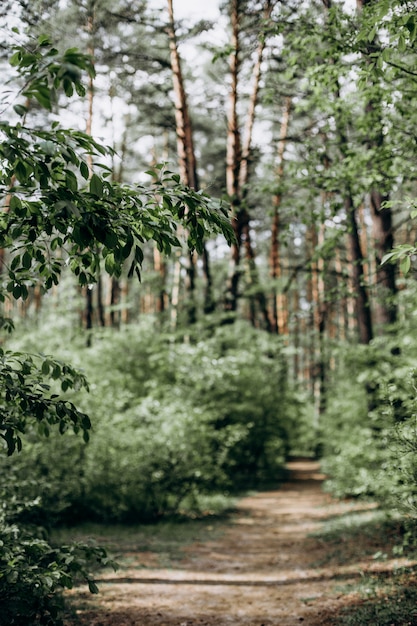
<point x="388" y="257"/>
<point x="20" y="109"/>
<point x="20" y="172"/>
<point x="71" y="181"/>
<point x="15" y="58"/>
<point x="109" y="263"/>
<point x="85" y="173"/>
<point x="405" y="265"/>
<point x="26" y="260"/>
<point x="43" y="95"/>
<point x="402" y="46"/>
<point x="96" y="186"/>
<point x="92" y="586"/>
<point x="15" y="203"/>
<point x="44" y="40"/>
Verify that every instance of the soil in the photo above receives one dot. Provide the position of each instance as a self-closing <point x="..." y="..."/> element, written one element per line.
<point x="266" y="568"/>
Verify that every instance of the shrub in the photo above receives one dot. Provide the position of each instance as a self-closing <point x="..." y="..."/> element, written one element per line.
<point x="171" y="421"/>
<point x="33" y="572"/>
<point x="368" y="422"/>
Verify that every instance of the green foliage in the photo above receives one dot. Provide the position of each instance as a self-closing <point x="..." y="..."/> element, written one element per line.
<point x="390" y="603"/>
<point x="56" y="218"/>
<point x="45" y="71"/>
<point x="24" y="395"/>
<point x="33" y="570"/>
<point x="33" y="573"/>
<point x="369" y="426"/>
<point x="189" y="420"/>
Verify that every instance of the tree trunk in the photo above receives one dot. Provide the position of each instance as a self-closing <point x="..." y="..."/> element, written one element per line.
<point x="187" y="164"/>
<point x="90" y="27"/>
<point x="280" y="300"/>
<point x="362" y="308"/>
<point x="244" y="173"/>
<point x="233" y="160"/>
<point x="160" y="268"/>
<point x="185" y="144"/>
<point x="386" y="288"/>
<point x="238" y="171"/>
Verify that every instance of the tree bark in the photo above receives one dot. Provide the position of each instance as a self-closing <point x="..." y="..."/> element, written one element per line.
<point x="90" y="28"/>
<point x="188" y="166"/>
<point x="362" y="307"/>
<point x="280" y="300"/>
<point x="233" y="160"/>
<point x="238" y="172"/>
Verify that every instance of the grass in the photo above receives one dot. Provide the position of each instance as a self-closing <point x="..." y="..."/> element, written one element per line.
<point x="135" y="547"/>
<point x="385" y="598"/>
<point x="386" y="601"/>
<point x="357" y="534"/>
<point x="166" y="540"/>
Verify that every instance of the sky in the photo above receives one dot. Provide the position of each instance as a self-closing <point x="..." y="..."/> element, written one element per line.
<point x="194" y="9"/>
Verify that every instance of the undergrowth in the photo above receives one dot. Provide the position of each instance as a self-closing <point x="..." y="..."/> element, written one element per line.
<point x="384" y="598"/>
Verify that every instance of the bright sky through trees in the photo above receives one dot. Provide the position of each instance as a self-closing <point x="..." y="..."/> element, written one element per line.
<point x="195" y="9"/>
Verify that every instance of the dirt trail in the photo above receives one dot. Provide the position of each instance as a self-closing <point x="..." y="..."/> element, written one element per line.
<point x="263" y="571"/>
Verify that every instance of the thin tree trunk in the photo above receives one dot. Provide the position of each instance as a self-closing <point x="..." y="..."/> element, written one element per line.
<point x="114" y="316"/>
<point x="209" y="303"/>
<point x="362" y="308"/>
<point x="175" y="293"/>
<point x="185" y="145"/>
<point x="342" y="311"/>
<point x="237" y="168"/>
<point x="89" y="306"/>
<point x="100" y="305"/>
<point x="253" y="101"/>
<point x="233" y="160"/>
<point x="160" y="268"/>
<point x="280" y="300"/>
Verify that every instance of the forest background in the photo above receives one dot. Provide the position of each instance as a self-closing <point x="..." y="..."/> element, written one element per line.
<point x="290" y="332"/>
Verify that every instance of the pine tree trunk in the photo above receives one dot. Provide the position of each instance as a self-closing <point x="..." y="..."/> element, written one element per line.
<point x="238" y="173"/>
<point x="360" y="295"/>
<point x="160" y="268"/>
<point x="188" y="167"/>
<point x="90" y="27"/>
<point x="233" y="160"/>
<point x="280" y="300"/>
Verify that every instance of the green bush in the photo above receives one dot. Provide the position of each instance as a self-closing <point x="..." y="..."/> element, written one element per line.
<point x="33" y="572"/>
<point x="172" y="421"/>
<point x="369" y="424"/>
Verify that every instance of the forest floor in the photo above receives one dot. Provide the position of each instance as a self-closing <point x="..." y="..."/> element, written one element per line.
<point x="269" y="564"/>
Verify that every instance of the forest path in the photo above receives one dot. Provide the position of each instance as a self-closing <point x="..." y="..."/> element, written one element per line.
<point x="264" y="569"/>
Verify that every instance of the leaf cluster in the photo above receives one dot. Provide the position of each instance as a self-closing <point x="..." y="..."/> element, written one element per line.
<point x="45" y="71"/>
<point x="24" y="396"/>
<point x="33" y="573"/>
